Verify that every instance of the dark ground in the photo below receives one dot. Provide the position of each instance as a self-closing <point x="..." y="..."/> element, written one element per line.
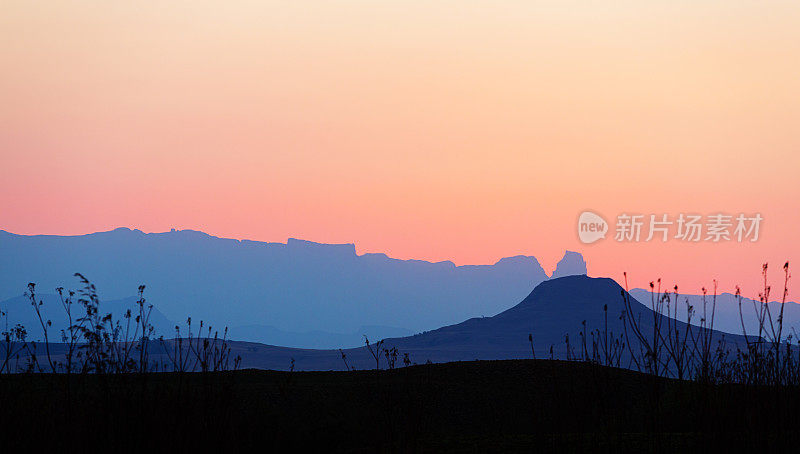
<point x="519" y="405"/>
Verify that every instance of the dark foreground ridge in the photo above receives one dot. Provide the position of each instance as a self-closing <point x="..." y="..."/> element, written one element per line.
<point x="479" y="406"/>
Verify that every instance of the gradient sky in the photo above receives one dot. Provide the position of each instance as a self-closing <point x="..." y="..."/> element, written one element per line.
<point x="440" y="130"/>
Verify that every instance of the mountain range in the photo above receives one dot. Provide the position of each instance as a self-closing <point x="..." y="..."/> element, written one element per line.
<point x="309" y="295"/>
<point x="297" y="293"/>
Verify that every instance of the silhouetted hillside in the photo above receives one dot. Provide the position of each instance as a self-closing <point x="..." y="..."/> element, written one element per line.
<point x="554" y="309"/>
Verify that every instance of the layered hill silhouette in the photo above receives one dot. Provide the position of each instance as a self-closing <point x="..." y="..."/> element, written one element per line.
<point x="321" y="297"/>
<point x="553" y="310"/>
<point x="301" y="292"/>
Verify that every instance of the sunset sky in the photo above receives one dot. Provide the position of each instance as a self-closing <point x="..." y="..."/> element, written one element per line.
<point x="438" y="130"/>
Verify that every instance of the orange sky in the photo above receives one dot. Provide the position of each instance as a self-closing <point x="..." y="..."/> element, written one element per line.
<point x="447" y="130"/>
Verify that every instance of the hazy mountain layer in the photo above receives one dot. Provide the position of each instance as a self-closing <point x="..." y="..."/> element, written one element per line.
<point x="299" y="286"/>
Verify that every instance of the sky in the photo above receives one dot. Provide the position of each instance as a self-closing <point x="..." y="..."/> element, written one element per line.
<point x="445" y="130"/>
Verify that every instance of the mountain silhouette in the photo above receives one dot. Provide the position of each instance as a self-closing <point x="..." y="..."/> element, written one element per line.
<point x="572" y="264"/>
<point x="299" y="286"/>
<point x="553" y="310"/>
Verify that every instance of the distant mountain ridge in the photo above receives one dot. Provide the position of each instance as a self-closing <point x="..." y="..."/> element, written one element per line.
<point x="317" y="339"/>
<point x="726" y="315"/>
<point x="19" y="310"/>
<point x="297" y="286"/>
